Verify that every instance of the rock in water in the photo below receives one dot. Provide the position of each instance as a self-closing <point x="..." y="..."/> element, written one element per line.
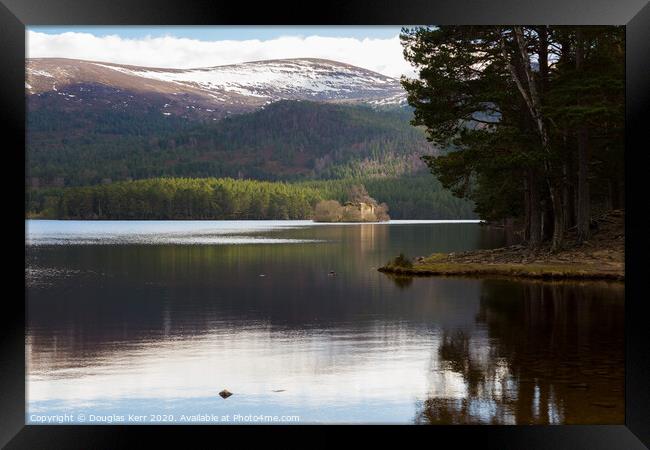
<point x="225" y="393"/>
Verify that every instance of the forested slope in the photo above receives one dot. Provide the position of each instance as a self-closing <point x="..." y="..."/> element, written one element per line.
<point x="287" y="140"/>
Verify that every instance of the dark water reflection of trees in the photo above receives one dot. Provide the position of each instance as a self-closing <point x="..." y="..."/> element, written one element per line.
<point x="551" y="353"/>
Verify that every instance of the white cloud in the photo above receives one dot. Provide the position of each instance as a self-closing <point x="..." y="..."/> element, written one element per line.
<point x="381" y="55"/>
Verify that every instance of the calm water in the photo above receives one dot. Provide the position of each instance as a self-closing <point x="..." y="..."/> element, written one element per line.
<point x="156" y="318"/>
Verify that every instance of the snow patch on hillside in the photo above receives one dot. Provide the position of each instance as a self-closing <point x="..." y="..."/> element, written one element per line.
<point x="40" y="73"/>
<point x="282" y="79"/>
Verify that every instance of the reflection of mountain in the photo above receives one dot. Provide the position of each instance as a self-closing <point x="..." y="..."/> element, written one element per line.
<point x="553" y="354"/>
<point x="106" y="293"/>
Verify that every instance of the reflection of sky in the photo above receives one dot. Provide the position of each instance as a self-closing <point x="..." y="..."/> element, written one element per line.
<point x="71" y="232"/>
<point x="180" y="232"/>
<point x="336" y="370"/>
<point x="323" y="376"/>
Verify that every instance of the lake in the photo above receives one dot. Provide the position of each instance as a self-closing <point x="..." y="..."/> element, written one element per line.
<point x="147" y="321"/>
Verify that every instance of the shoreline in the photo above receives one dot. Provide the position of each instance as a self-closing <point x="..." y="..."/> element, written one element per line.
<point x="600" y="258"/>
<point x="487" y="270"/>
<point x="387" y="222"/>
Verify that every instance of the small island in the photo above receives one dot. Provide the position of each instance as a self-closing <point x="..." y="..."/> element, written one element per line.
<point x="360" y="207"/>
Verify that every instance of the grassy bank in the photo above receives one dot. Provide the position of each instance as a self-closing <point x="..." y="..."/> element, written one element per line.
<point x="601" y="258"/>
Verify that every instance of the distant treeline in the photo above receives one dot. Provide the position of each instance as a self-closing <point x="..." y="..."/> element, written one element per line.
<point x="419" y="197"/>
<point x="409" y="197"/>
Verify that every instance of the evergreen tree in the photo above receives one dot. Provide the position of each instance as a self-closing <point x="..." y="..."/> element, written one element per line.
<point x="517" y="107"/>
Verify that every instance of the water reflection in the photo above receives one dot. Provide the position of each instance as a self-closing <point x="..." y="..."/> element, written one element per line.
<point x="401" y="282"/>
<point x="161" y="328"/>
<point x="548" y="353"/>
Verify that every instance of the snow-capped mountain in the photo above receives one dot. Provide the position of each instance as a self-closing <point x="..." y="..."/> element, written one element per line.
<point x="212" y="91"/>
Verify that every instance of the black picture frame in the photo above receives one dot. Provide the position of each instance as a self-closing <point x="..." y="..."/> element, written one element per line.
<point x="635" y="14"/>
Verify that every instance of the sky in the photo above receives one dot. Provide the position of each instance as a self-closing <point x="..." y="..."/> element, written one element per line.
<point x="371" y="47"/>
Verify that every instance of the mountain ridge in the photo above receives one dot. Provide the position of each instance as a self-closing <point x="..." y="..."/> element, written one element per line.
<point x="209" y="92"/>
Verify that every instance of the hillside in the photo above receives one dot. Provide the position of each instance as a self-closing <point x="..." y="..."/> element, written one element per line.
<point x="210" y="92"/>
<point x="284" y="140"/>
<point x="94" y="129"/>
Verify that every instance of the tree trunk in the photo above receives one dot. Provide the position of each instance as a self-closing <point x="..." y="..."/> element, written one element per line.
<point x="583" y="208"/>
<point x="543" y="60"/>
<point x="526" y="210"/>
<point x="558" y="220"/>
<point x="535" y="233"/>
<point x="567" y="197"/>
<point x="530" y="93"/>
